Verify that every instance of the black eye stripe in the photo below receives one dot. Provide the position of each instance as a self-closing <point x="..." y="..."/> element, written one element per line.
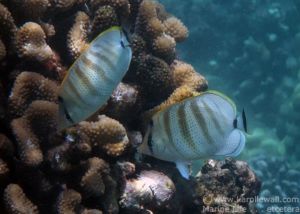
<point x="61" y="101"/>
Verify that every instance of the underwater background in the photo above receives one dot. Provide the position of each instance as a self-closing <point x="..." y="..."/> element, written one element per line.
<point x="250" y="51"/>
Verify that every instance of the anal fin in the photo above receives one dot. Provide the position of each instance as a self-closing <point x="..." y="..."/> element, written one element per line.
<point x="183" y="168"/>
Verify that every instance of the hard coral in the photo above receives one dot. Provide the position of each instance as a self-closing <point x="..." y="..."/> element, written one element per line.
<point x="77" y="36"/>
<point x="7" y="23"/>
<point x="175" y="28"/>
<point x="31" y="42"/>
<point x="104" y="18"/>
<point x="2" y="50"/>
<point x="229" y="179"/>
<point x="92" y="180"/>
<point x="185" y="74"/>
<point x="32" y="9"/>
<point x="106" y="134"/>
<point x="30" y="86"/>
<point x="16" y="201"/>
<point x="30" y="131"/>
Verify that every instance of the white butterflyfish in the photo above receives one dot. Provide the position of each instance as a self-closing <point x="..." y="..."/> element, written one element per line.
<point x="92" y="78"/>
<point x="205" y="126"/>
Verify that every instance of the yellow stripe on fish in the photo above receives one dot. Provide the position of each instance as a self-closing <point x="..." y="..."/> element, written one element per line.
<point x="204" y="126"/>
<point x="93" y="76"/>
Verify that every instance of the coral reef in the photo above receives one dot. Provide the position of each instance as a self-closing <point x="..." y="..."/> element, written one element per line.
<point x="90" y="167"/>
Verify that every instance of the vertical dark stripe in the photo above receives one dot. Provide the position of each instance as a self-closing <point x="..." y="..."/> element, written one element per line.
<point x="215" y="120"/>
<point x="83" y="78"/>
<point x="184" y="127"/>
<point x="201" y="121"/>
<point x="167" y="127"/>
<point x="73" y="89"/>
<point x="105" y="58"/>
<point x="97" y="69"/>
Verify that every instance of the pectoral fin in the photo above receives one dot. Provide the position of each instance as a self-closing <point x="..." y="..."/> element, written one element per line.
<point x="183" y="169"/>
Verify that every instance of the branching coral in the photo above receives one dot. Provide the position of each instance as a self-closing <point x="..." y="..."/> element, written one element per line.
<point x="30" y="86"/>
<point x="106" y="134"/>
<point x="7" y="23"/>
<point x="175" y="28"/>
<point x="2" y="50"/>
<point x="104" y="18"/>
<point x="31" y="42"/>
<point x="32" y="9"/>
<point x="77" y="36"/>
<point x="184" y="74"/>
<point x="30" y="130"/>
<point x="16" y="201"/>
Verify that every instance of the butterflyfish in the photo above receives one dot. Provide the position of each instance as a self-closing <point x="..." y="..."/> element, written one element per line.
<point x="200" y="127"/>
<point x="92" y="78"/>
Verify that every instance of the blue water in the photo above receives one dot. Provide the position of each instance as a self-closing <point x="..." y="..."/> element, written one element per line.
<point x="250" y="50"/>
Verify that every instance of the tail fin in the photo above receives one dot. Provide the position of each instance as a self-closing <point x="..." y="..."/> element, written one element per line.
<point x="241" y="122"/>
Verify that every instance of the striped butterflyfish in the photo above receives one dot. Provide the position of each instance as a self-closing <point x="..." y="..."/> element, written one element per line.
<point x="201" y="127"/>
<point x="92" y="78"/>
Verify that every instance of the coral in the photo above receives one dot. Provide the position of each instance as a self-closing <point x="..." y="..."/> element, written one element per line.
<point x="64" y="5"/>
<point x="149" y="189"/>
<point x="104" y="18"/>
<point x="30" y="130"/>
<point x="31" y="9"/>
<point x="154" y="76"/>
<point x="228" y="179"/>
<point x="106" y="134"/>
<point x="30" y="86"/>
<point x="31" y="43"/>
<point x="184" y="74"/>
<point x="7" y="24"/>
<point x="2" y="50"/>
<point x="68" y="201"/>
<point x="92" y="181"/>
<point x="4" y="172"/>
<point x="16" y="201"/>
<point x="77" y="36"/>
<point x="164" y="47"/>
<point x="175" y="28"/>
<point x="121" y="6"/>
<point x="6" y="147"/>
<point x="124" y="99"/>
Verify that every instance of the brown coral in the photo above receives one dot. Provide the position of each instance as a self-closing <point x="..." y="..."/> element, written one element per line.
<point x="92" y="181"/>
<point x="31" y="42"/>
<point x="6" y="147"/>
<point x="68" y="202"/>
<point x="164" y="47"/>
<point x="31" y="130"/>
<point x="2" y="50"/>
<point x="154" y="75"/>
<point x="32" y="9"/>
<point x="7" y="24"/>
<point x="104" y="18"/>
<point x="185" y="74"/>
<point x="16" y="201"/>
<point x="175" y="28"/>
<point x="77" y="36"/>
<point x="122" y="6"/>
<point x="106" y="134"/>
<point x="30" y="86"/>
